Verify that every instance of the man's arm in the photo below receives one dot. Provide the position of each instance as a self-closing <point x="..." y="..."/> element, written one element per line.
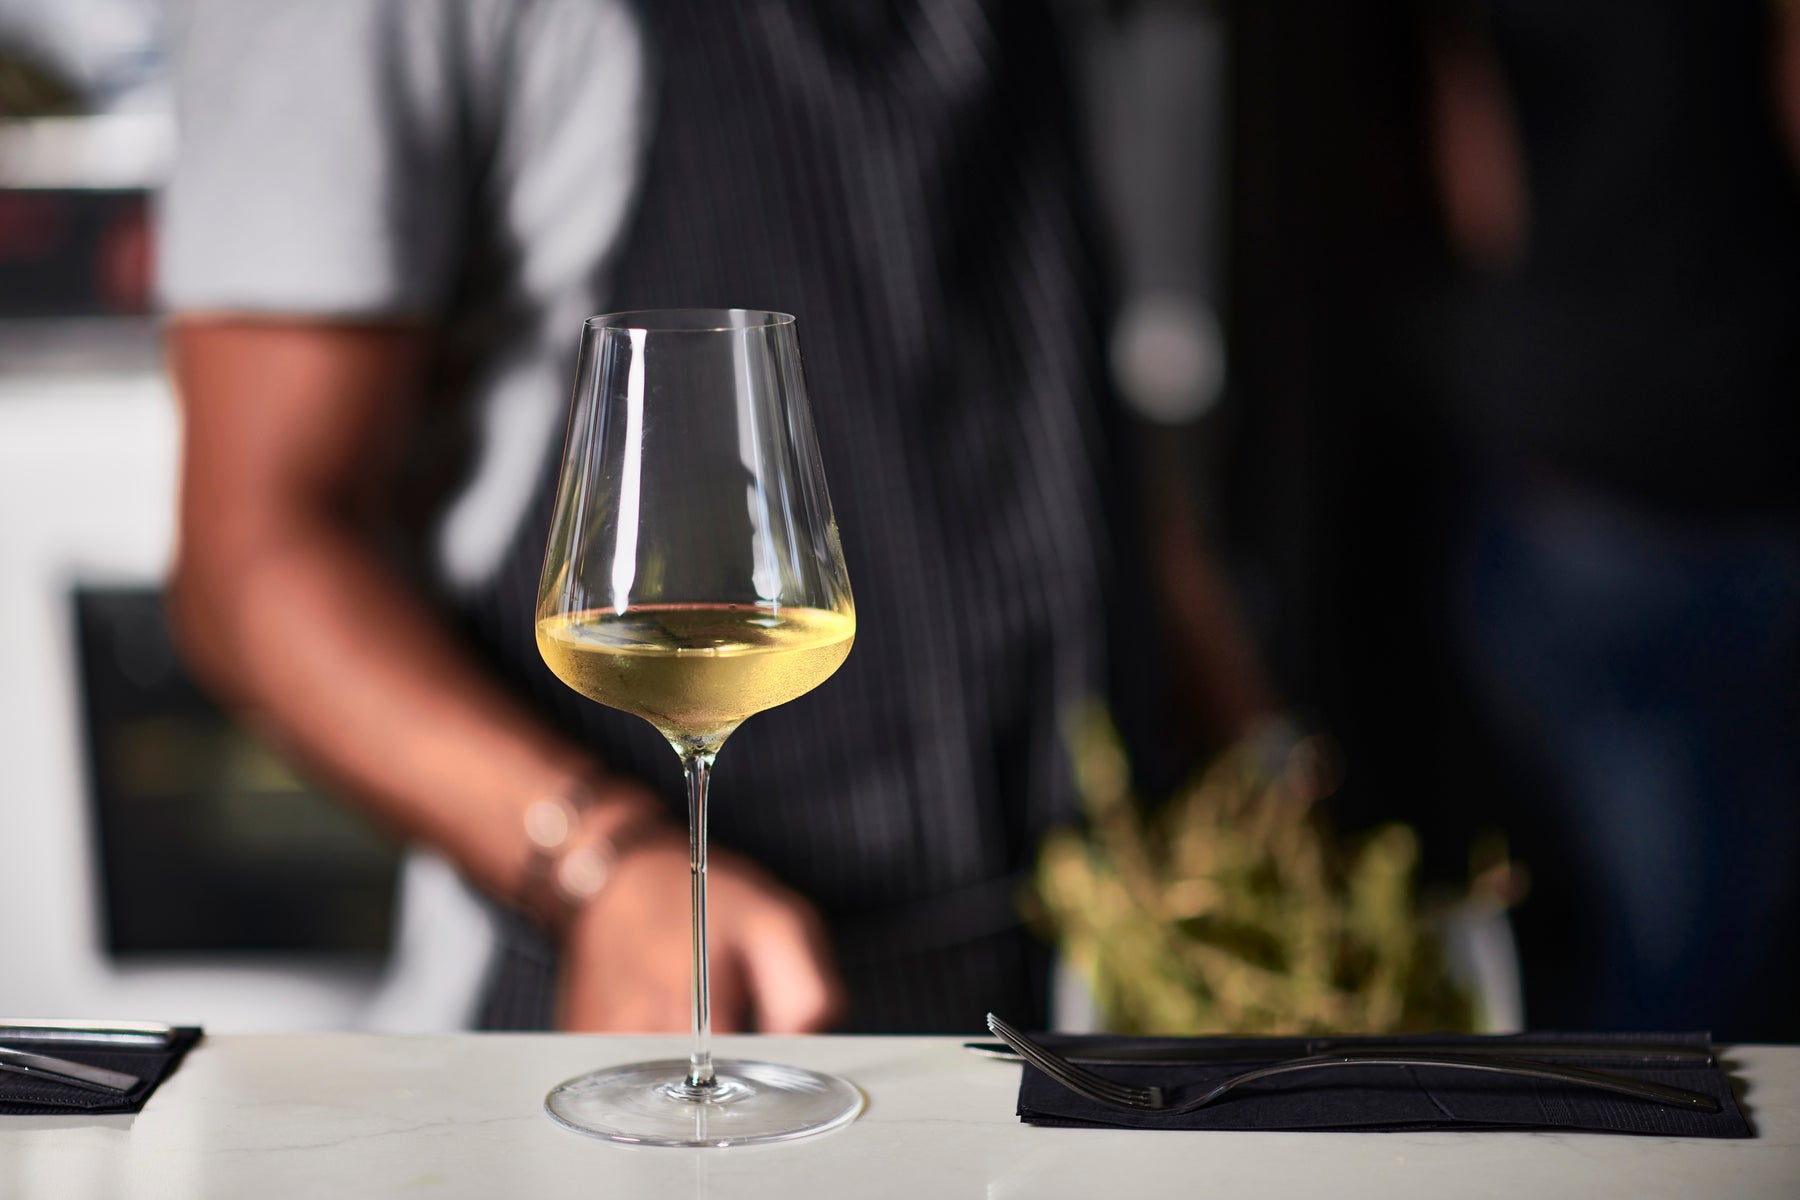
<point x="1222" y="676"/>
<point x="1785" y="73"/>
<point x="1479" y="166"/>
<point x="292" y="431"/>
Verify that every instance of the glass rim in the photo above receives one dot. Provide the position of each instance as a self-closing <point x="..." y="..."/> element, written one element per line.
<point x="687" y="320"/>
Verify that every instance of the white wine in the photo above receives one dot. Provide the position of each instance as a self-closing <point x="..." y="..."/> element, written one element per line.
<point x="696" y="671"/>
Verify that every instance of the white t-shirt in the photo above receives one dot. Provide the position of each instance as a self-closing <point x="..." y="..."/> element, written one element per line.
<point x="353" y="159"/>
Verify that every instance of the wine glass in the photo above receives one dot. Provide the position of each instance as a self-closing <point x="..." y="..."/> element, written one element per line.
<point x="694" y="578"/>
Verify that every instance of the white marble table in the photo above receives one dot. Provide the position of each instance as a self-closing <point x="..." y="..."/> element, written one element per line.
<point x="342" y="1116"/>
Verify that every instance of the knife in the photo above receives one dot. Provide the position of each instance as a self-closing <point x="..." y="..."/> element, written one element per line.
<point x="61" y="1070"/>
<point x="92" y="1033"/>
<point x="1121" y="1054"/>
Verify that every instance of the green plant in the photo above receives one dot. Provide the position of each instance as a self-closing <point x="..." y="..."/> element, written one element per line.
<point x="1234" y="908"/>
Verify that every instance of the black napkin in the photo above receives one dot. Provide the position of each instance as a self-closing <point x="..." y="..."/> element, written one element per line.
<point x="1394" y="1098"/>
<point x="24" y="1095"/>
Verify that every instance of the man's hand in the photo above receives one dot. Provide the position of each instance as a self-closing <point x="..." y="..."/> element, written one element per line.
<point x="626" y="960"/>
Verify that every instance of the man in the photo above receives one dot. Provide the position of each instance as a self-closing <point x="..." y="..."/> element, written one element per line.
<point x="387" y="223"/>
<point x="1626" y="585"/>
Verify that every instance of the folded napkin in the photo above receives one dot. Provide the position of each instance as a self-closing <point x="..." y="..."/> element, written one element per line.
<point x="1394" y="1098"/>
<point x="24" y="1095"/>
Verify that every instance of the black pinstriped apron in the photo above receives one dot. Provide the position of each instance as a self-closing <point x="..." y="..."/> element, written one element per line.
<point x="901" y="177"/>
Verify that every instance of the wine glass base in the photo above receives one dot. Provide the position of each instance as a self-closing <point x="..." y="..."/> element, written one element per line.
<point x="649" y="1104"/>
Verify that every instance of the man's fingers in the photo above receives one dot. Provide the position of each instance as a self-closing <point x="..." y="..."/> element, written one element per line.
<point x="626" y="962"/>
<point x="730" y="995"/>
<point x="794" y="985"/>
<point x="625" y="1006"/>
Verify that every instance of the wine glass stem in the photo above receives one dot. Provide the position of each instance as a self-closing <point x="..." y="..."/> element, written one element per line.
<point x="698" y="767"/>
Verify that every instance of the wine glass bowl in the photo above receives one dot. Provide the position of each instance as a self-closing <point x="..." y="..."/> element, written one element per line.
<point x="694" y="578"/>
<point x="696" y="671"/>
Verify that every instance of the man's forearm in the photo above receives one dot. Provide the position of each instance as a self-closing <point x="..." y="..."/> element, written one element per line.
<point x="284" y="605"/>
<point x="1785" y="69"/>
<point x="335" y="656"/>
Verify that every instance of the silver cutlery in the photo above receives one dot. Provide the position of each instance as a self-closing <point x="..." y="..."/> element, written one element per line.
<point x="96" y="1033"/>
<point x="1119" y="1054"/>
<point x="1157" y="1100"/>
<point x="61" y="1070"/>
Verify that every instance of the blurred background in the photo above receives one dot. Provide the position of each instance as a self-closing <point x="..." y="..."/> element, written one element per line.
<point x="1463" y="332"/>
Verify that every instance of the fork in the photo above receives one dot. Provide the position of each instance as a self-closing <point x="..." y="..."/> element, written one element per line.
<point x="61" y="1070"/>
<point x="1155" y="1099"/>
